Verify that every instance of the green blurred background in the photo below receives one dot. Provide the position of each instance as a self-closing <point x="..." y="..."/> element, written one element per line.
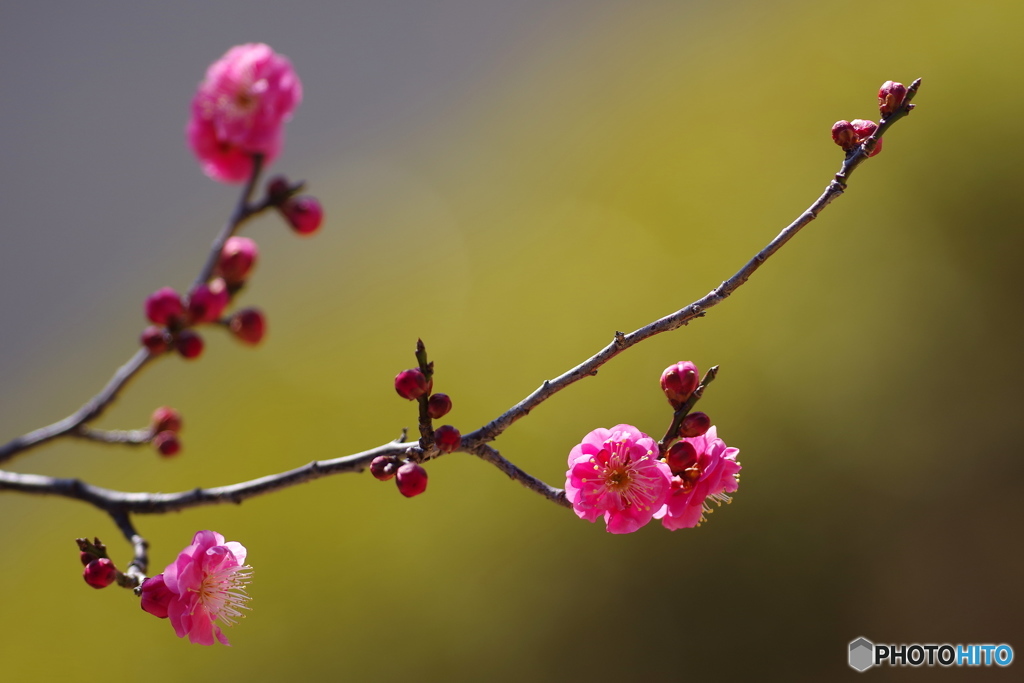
<point x="513" y="182"/>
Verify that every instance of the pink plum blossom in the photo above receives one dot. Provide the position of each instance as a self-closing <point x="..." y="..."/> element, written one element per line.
<point x="616" y="473"/>
<point x="240" y="109"/>
<point x="205" y="584"/>
<point x="711" y="475"/>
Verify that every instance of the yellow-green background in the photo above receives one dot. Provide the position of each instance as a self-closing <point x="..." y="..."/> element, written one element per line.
<point x="513" y="182"/>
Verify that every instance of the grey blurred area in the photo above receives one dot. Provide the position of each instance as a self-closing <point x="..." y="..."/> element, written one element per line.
<point x="96" y="184"/>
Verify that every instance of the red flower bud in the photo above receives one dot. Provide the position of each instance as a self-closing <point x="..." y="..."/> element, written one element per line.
<point x="844" y="135"/>
<point x="86" y="557"/>
<point x="208" y="301"/>
<point x="384" y="467"/>
<point x="100" y="573"/>
<point x="303" y="213"/>
<point x="165" y="419"/>
<point x="164" y="307"/>
<point x="890" y="97"/>
<point x="167" y="444"/>
<point x="156" y="596"/>
<point x="681" y="455"/>
<point x="156" y="340"/>
<point x="411" y="384"/>
<point x="438" y="406"/>
<point x="237" y="259"/>
<point x="679" y="381"/>
<point x="864" y="130"/>
<point x="248" y="325"/>
<point x="411" y="479"/>
<point x="278" y="188"/>
<point x="447" y="438"/>
<point x="189" y="344"/>
<point x="694" y="424"/>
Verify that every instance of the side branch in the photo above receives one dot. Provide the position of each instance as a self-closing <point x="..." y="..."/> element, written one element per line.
<point x="697" y="309"/>
<point x="92" y="409"/>
<point x="488" y="454"/>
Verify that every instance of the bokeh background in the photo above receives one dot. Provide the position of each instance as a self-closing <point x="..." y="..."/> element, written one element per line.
<point x="513" y="182"/>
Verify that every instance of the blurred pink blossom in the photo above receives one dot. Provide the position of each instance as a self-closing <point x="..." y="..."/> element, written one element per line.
<point x="711" y="476"/>
<point x="240" y="110"/>
<point x="616" y="473"/>
<point x="206" y="583"/>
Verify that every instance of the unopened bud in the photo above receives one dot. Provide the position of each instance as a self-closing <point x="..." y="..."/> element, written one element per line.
<point x="189" y="344"/>
<point x="165" y="419"/>
<point x="694" y="424"/>
<point x="278" y="189"/>
<point x="303" y="213"/>
<point x="208" y="301"/>
<point x="248" y="325"/>
<point x="438" y="406"/>
<point x="100" y="573"/>
<point x="237" y="259"/>
<point x="167" y="444"/>
<point x="412" y="383"/>
<point x="679" y="381"/>
<point x="384" y="467"/>
<point x="864" y="130"/>
<point x="156" y="340"/>
<point x="844" y="135"/>
<point x="890" y="97"/>
<point x="681" y="455"/>
<point x="164" y="307"/>
<point x="86" y="557"/>
<point x="411" y="479"/>
<point x="447" y="438"/>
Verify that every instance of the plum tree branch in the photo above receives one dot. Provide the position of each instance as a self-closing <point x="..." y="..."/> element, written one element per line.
<point x="120" y="504"/>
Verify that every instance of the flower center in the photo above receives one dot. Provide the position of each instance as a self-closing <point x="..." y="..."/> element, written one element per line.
<point x="223" y="594"/>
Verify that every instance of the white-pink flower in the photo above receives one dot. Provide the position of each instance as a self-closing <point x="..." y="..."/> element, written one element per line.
<point x="205" y="584"/>
<point x="240" y="109"/>
<point x="615" y="473"/>
<point x="710" y="475"/>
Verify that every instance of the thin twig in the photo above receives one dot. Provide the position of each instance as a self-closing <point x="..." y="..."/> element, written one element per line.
<point x="115" y="502"/>
<point x="621" y="342"/>
<point x="92" y="409"/>
<point x="128" y="437"/>
<point x="95" y="406"/>
<point x="489" y="454"/>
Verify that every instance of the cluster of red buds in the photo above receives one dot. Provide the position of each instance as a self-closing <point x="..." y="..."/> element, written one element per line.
<point x="174" y="316"/>
<point x="416" y="384"/>
<point x="851" y="134"/>
<point x="679" y="382"/>
<point x="164" y="425"/>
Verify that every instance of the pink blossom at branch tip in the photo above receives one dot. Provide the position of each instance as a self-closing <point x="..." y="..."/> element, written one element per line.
<point x="240" y="109"/>
<point x="205" y="584"/>
<point x="711" y="474"/>
<point x="615" y="473"/>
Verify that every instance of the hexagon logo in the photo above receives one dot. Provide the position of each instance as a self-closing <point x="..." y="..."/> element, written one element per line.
<point x="862" y="654"/>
